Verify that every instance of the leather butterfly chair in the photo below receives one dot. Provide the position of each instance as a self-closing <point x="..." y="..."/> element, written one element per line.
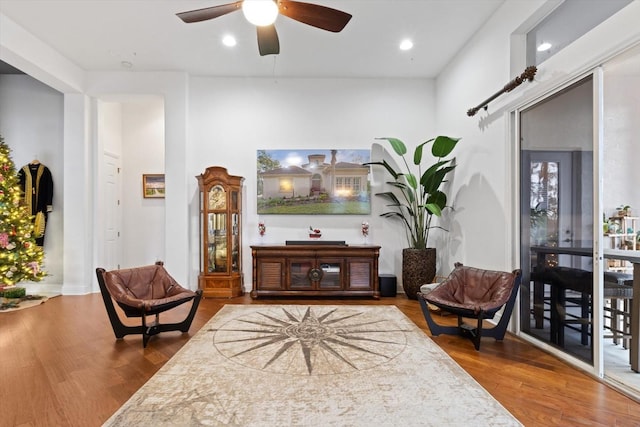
<point x="141" y="292"/>
<point x="473" y="293"/>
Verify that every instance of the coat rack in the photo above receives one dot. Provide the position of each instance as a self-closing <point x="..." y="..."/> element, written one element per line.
<point x="527" y="74"/>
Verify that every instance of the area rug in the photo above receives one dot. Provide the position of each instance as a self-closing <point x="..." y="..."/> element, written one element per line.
<point x="318" y="365"/>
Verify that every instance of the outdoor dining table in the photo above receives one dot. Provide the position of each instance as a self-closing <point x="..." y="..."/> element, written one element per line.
<point x="632" y="256"/>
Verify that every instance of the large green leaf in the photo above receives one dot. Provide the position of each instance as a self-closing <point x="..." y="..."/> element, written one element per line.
<point x="441" y="173"/>
<point x="443" y="146"/>
<point x="387" y="166"/>
<point x="396" y="203"/>
<point x="434" y="209"/>
<point x="429" y="173"/>
<point x="438" y="198"/>
<point x="411" y="179"/>
<point x="408" y="193"/>
<point x="431" y="182"/>
<point x="392" y="215"/>
<point x="390" y="196"/>
<point x="398" y="216"/>
<point x="417" y="154"/>
<point x="397" y="145"/>
<point x="399" y="184"/>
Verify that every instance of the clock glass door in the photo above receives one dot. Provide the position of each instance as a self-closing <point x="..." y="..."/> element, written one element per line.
<point x="217" y="226"/>
<point x="236" y="262"/>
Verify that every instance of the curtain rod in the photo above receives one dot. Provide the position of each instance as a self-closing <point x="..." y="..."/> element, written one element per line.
<point x="527" y="74"/>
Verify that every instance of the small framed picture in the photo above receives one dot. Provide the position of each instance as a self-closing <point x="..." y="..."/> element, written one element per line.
<point x="153" y="186"/>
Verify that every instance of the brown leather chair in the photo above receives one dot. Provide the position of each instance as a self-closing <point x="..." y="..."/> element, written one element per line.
<point x="141" y="292"/>
<point x="476" y="294"/>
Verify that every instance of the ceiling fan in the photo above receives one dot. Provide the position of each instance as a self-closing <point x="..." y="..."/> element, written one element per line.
<point x="315" y="15"/>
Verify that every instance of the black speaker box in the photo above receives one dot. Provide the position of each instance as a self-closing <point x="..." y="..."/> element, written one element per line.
<point x="388" y="285"/>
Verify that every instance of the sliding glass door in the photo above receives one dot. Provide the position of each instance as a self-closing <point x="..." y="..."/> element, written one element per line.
<point x="557" y="220"/>
<point x="620" y="187"/>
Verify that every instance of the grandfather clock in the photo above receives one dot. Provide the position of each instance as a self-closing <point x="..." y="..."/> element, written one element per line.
<point x="220" y="233"/>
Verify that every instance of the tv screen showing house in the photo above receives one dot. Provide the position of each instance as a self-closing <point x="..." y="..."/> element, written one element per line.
<point x="313" y="182"/>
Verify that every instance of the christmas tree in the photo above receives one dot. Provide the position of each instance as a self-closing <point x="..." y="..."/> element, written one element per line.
<point x="20" y="257"/>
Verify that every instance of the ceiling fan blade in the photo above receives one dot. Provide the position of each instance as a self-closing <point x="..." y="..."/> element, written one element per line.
<point x="199" y="15"/>
<point x="315" y="15"/>
<point x="268" y="43"/>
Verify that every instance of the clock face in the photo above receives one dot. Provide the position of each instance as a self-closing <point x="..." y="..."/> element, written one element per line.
<point x="217" y="198"/>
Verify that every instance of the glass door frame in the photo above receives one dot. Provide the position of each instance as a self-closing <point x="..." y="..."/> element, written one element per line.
<point x="597" y="368"/>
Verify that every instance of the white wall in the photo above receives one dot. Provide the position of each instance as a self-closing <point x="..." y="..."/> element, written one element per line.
<point x="110" y="127"/>
<point x="31" y="121"/>
<point x="230" y="119"/>
<point x="79" y="195"/>
<point x="481" y="186"/>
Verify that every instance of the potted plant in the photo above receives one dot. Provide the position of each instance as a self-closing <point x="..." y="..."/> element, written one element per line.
<point x="420" y="198"/>
<point x="624" y="210"/>
<point x="538" y="217"/>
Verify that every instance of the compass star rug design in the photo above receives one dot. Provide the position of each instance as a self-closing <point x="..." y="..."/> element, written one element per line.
<point x="317" y="365"/>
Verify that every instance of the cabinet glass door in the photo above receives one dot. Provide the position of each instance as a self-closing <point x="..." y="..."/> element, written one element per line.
<point x="234" y="201"/>
<point x="302" y="272"/>
<point x="331" y="272"/>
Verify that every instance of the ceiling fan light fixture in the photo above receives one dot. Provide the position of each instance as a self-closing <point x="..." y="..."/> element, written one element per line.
<point x="260" y="12"/>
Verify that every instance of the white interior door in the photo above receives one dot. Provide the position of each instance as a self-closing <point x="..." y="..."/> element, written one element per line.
<point x="112" y="212"/>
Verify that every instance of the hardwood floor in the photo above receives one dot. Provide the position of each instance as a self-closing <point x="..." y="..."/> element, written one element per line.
<point x="60" y="365"/>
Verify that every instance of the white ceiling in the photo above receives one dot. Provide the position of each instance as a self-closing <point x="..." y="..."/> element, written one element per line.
<point x="101" y="34"/>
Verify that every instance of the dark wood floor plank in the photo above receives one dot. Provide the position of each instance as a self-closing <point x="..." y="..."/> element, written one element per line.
<point x="62" y="366"/>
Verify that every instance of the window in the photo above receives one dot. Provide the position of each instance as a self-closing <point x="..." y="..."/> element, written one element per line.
<point x="286" y="185"/>
<point x="566" y="23"/>
<point x="347" y="186"/>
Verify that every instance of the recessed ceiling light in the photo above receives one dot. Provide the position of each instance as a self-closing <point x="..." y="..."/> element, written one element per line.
<point x="544" y="46"/>
<point x="406" y="44"/>
<point x="229" y="41"/>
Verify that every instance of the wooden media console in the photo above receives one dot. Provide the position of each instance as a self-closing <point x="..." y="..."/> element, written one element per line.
<point x="315" y="270"/>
